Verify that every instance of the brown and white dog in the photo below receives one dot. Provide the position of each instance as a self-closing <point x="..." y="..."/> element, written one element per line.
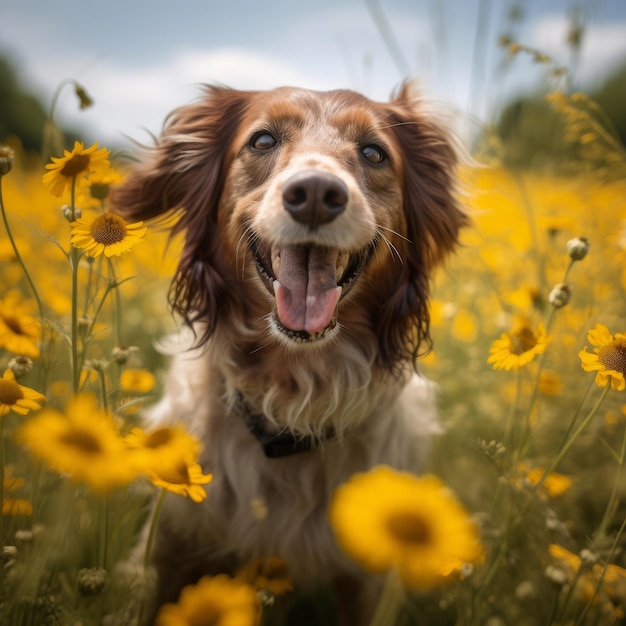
<point x="313" y="222"/>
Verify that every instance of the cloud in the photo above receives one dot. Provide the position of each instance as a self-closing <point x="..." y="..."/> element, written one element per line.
<point x="131" y="100"/>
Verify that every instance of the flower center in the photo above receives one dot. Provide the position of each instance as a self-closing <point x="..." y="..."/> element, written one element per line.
<point x="10" y="392"/>
<point x="158" y="438"/>
<point x="83" y="440"/>
<point x="99" y="191"/>
<point x="523" y="340"/>
<point x="76" y="165"/>
<point x="13" y="325"/>
<point x="108" y="229"/>
<point x="409" y="528"/>
<point x="178" y="475"/>
<point x="205" y="615"/>
<point x="613" y="356"/>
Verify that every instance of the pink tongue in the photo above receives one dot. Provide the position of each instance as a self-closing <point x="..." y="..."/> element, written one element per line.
<point x="306" y="288"/>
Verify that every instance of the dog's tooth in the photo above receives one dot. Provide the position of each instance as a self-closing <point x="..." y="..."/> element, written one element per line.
<point x="276" y="261"/>
<point x="342" y="263"/>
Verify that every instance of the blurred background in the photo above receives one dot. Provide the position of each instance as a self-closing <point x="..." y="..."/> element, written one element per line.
<point x="138" y="60"/>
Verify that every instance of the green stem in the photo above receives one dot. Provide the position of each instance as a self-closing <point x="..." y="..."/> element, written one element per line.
<point x="1" y="487"/>
<point x="541" y="363"/>
<point x="20" y="260"/>
<point x="600" y="580"/>
<point x="74" y="262"/>
<point x="612" y="503"/>
<point x="153" y="525"/>
<point x="389" y="604"/>
<point x="104" y="540"/>
<point x="568" y="444"/>
<point x="118" y="304"/>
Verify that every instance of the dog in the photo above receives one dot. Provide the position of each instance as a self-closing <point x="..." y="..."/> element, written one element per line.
<point x="313" y="223"/>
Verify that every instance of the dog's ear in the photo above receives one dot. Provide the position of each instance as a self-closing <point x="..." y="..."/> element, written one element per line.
<point x="433" y="217"/>
<point x="186" y="170"/>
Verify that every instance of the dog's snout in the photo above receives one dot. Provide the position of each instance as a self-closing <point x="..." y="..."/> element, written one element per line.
<point x="315" y="198"/>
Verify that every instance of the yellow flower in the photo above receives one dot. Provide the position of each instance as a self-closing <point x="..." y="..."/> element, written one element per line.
<point x="269" y="574"/>
<point x="107" y="233"/>
<point x="84" y="444"/>
<point x="183" y="477"/>
<point x="518" y="347"/>
<point x="386" y="519"/>
<point x="74" y="166"/>
<point x="17" y="398"/>
<point x="164" y="446"/>
<point x="19" y="331"/>
<point x="554" y="485"/>
<point x="10" y="505"/>
<point x="550" y="383"/>
<point x="137" y="381"/>
<point x="609" y="358"/>
<point x="613" y="575"/>
<point x="99" y="186"/>
<point x="212" y="601"/>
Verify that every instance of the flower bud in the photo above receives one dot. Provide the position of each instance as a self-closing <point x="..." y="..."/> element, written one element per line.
<point x="85" y="100"/>
<point x="577" y="248"/>
<point x="6" y="160"/>
<point x="121" y="354"/>
<point x="69" y="215"/>
<point x="560" y="295"/>
<point x="91" y="581"/>
<point x="20" y="365"/>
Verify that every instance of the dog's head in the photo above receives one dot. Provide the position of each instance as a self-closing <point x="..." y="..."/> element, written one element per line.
<point x="317" y="213"/>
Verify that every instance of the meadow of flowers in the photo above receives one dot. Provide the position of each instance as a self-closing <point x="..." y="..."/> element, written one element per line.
<point x="520" y="516"/>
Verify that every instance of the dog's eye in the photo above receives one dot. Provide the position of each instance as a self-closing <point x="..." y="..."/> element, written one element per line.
<point x="263" y="141"/>
<point x="373" y="154"/>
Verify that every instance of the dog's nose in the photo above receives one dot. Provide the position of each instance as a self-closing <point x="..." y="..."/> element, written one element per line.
<point x="314" y="198"/>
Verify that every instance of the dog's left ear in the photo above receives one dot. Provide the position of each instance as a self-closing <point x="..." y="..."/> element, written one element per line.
<point x="433" y="217"/>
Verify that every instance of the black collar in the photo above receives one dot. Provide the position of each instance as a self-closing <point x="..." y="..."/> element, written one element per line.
<point x="275" y="443"/>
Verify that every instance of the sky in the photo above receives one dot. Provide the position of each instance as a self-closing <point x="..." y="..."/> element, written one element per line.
<point x="139" y="59"/>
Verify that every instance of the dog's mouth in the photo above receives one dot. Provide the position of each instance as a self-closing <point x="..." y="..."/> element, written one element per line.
<point x="307" y="282"/>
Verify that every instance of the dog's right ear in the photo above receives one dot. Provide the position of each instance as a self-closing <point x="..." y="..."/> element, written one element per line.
<point x="185" y="169"/>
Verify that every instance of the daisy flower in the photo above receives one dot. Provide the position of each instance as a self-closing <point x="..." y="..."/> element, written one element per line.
<point x="17" y="398"/>
<point x="10" y="504"/>
<point x="212" y="601"/>
<point x="608" y="359"/>
<point x="386" y="519"/>
<point x="184" y="478"/>
<point x="19" y="331"/>
<point x="74" y="165"/>
<point x="518" y="347"/>
<point x="160" y="447"/>
<point x="83" y="443"/>
<point x="107" y="233"/>
<point x="554" y="485"/>
<point x="137" y="381"/>
<point x="269" y="574"/>
<point x="97" y="188"/>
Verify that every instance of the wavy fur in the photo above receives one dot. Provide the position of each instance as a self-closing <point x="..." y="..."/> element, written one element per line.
<point x="357" y="376"/>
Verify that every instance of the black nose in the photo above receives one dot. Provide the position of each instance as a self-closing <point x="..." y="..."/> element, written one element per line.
<point x="314" y="198"/>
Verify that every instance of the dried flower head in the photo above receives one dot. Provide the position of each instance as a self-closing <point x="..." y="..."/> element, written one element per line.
<point x="578" y="248"/>
<point x="560" y="295"/>
<point x="6" y="160"/>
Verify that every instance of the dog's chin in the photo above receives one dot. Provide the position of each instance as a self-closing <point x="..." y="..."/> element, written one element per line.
<point x="292" y="270"/>
<point x="302" y="338"/>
